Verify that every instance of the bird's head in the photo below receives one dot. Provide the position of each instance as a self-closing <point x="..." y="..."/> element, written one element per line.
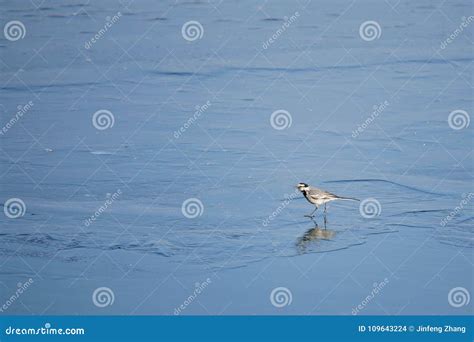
<point x="302" y="186"/>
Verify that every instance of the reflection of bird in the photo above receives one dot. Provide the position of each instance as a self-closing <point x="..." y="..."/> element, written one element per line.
<point x="319" y="197"/>
<point x="314" y="235"/>
<point x="318" y="234"/>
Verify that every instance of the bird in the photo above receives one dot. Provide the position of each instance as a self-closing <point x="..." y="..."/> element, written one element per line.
<point x="319" y="197"/>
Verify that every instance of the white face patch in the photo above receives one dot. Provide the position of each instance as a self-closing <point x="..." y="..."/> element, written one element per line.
<point x="302" y="187"/>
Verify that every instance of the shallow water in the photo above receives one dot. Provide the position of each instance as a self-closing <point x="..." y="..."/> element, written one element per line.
<point x="233" y="160"/>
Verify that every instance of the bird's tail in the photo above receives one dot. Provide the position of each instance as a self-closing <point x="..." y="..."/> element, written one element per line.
<point x="348" y="198"/>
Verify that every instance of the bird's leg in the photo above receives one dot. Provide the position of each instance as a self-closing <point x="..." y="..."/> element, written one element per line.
<point x="325" y="218"/>
<point x="311" y="215"/>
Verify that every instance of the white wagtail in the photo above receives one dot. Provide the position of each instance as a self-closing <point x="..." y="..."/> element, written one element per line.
<point x="319" y="197"/>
